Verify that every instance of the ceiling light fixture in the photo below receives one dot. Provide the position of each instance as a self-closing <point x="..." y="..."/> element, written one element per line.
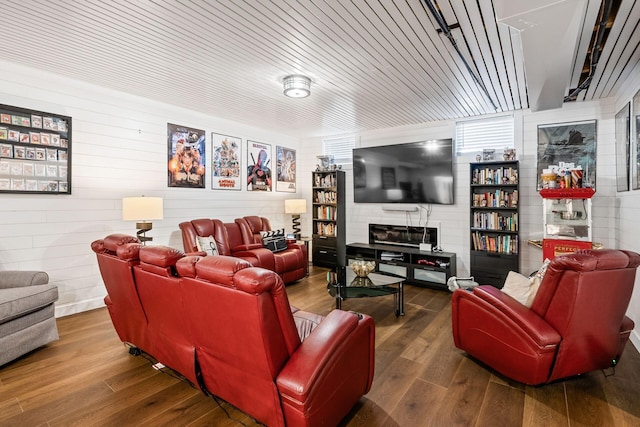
<point x="297" y="86"/>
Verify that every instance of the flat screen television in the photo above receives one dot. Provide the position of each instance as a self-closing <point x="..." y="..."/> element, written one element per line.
<point x="417" y="172"/>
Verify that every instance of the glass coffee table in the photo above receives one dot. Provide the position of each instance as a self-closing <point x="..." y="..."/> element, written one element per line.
<point x="374" y="285"/>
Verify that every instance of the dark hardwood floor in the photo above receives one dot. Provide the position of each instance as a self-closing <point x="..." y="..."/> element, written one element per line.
<point x="88" y="378"/>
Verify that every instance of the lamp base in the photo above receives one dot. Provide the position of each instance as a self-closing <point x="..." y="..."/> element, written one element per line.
<point x="143" y="227"/>
<point x="296" y="226"/>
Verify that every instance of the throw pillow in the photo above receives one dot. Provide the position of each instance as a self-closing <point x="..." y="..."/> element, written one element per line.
<point x="517" y="287"/>
<point x="207" y="244"/>
<point x="274" y="240"/>
<point x="523" y="289"/>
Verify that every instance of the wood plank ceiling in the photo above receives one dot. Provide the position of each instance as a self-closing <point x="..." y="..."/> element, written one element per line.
<point x="373" y="64"/>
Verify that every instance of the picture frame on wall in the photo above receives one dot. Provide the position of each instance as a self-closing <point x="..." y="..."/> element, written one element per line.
<point x="635" y="132"/>
<point x="623" y="141"/>
<point x="568" y="143"/>
<point x="226" y="153"/>
<point x="186" y="152"/>
<point x="259" y="177"/>
<point x="25" y="166"/>
<point x="285" y="169"/>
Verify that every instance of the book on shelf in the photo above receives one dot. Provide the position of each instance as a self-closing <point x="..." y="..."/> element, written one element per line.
<point x="326" y="229"/>
<point x="495" y="221"/>
<point x="326" y="213"/>
<point x="506" y="244"/>
<point x="326" y="196"/>
<point x="325" y="181"/>
<point x="496" y="199"/>
<point x="489" y="176"/>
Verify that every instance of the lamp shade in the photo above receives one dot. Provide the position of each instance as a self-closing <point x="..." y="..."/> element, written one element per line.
<point x="295" y="206"/>
<point x="142" y="208"/>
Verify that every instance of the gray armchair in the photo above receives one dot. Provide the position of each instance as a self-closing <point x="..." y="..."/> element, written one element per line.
<point x="27" y="318"/>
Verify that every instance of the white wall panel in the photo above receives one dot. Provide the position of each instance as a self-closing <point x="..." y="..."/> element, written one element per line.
<point x="119" y="148"/>
<point x="628" y="209"/>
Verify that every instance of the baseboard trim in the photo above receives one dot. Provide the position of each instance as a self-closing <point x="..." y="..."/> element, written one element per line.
<point x="79" y="306"/>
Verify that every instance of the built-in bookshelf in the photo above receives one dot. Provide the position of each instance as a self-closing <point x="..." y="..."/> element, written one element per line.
<point x="494" y="231"/>
<point x="328" y="242"/>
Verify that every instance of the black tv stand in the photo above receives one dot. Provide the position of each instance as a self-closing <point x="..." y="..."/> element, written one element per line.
<point x="422" y="268"/>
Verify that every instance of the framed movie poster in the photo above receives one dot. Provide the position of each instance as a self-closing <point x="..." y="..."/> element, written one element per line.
<point x="186" y="149"/>
<point x="258" y="169"/>
<point x="635" y="158"/>
<point x="225" y="166"/>
<point x="568" y="143"/>
<point x="622" y="149"/>
<point x="286" y="169"/>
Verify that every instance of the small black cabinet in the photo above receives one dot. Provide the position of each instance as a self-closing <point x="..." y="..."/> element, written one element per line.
<point x="423" y="268"/>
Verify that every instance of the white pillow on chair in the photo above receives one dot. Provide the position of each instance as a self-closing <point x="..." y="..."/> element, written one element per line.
<point x="522" y="288"/>
<point x="518" y="287"/>
<point x="207" y="244"/>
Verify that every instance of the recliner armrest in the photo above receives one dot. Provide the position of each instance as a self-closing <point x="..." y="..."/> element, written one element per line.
<point x="264" y="256"/>
<point x="17" y="278"/>
<point x="248" y="247"/>
<point x="339" y="350"/>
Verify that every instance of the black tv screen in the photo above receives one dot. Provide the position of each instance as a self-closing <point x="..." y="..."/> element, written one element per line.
<point x="417" y="172"/>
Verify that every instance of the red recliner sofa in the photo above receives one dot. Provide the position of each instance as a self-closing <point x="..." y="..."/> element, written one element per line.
<point x="576" y="323"/>
<point x="234" y="239"/>
<point x="229" y="329"/>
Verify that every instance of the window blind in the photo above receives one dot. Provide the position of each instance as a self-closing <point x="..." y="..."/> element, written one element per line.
<point x="340" y="147"/>
<point x="472" y="136"/>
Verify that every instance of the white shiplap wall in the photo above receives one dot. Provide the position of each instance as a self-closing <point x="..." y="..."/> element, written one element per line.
<point x="628" y="208"/>
<point x="453" y="220"/>
<point x="119" y="148"/>
<point x="611" y="225"/>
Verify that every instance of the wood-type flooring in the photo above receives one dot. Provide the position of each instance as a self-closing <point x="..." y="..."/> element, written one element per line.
<point x="88" y="378"/>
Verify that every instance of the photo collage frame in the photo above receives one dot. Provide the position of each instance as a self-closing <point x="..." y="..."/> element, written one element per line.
<point x="35" y="151"/>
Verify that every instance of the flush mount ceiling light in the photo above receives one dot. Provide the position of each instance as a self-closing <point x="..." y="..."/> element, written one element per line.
<point x="297" y="86"/>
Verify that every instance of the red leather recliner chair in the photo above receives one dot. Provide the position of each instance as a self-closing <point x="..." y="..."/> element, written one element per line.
<point x="162" y="298"/>
<point x="117" y="254"/>
<point x="291" y="264"/>
<point x="251" y="353"/>
<point x="576" y="323"/>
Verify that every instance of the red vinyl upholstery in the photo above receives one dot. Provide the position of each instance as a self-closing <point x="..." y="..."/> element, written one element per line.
<point x="117" y="254"/>
<point x="576" y="323"/>
<point x="228" y="327"/>
<point x="291" y="264"/>
<point x="161" y="293"/>
<point x="251" y="227"/>
<point x="238" y="239"/>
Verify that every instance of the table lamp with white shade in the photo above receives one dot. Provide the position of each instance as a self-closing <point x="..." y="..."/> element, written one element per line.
<point x="295" y="207"/>
<point x="143" y="210"/>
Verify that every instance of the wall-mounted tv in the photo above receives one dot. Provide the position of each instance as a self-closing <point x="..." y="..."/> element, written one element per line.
<point x="417" y="172"/>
